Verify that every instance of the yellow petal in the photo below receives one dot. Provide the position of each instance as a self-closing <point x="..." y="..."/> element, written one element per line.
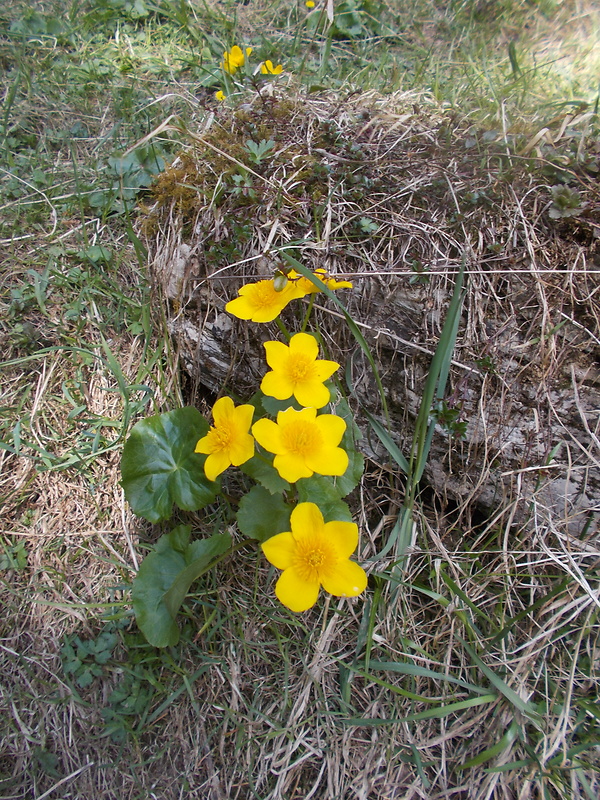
<point x="291" y="468"/>
<point x="277" y="354"/>
<point x="333" y="284"/>
<point x="324" y="369"/>
<point x="295" y="593"/>
<point x="312" y="393"/>
<point x="223" y="410"/>
<point x="241" y="450"/>
<point x="307" y="519"/>
<point x="343" y="536"/>
<point x="329" y="461"/>
<point x="236" y="56"/>
<point x="240" y="308"/>
<point x="306" y="344"/>
<point x="268" y="435"/>
<point x="203" y="445"/>
<point x="276" y="385"/>
<point x="215" y="464"/>
<point x="347" y="579"/>
<point x="279" y="550"/>
<point x="332" y="428"/>
<point x="243" y="416"/>
<point x="291" y="415"/>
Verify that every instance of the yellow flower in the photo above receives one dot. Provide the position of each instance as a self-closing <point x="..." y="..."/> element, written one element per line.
<point x="303" y="443"/>
<point x="308" y="287"/>
<point x="309" y="4"/>
<point x="267" y="68"/>
<point x="296" y="371"/>
<point x="234" y="59"/>
<point x="229" y="441"/>
<point x="261" y="302"/>
<point x="314" y="554"/>
<point x="220" y="95"/>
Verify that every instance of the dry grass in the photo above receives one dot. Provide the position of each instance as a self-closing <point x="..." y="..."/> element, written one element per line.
<point x="501" y="588"/>
<point x="506" y="549"/>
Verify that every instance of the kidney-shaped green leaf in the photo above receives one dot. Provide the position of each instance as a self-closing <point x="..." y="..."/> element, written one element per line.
<point x="159" y="466"/>
<point x="164" y="579"/>
<point x="262" y="514"/>
<point x="324" y="493"/>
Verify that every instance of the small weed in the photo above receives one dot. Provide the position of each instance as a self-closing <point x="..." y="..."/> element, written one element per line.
<point x="566" y="202"/>
<point x="83" y="659"/>
<point x="13" y="554"/>
<point x="258" y="152"/>
<point x="449" y="417"/>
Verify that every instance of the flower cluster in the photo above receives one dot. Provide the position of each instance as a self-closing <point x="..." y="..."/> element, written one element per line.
<point x="298" y="444"/>
<point x="265" y="300"/>
<point x="234" y="60"/>
<point x="301" y="441"/>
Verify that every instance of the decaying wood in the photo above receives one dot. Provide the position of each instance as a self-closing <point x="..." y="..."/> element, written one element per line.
<point x="394" y="197"/>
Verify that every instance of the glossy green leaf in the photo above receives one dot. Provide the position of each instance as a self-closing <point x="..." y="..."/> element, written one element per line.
<point x="262" y="514"/>
<point x="265" y="473"/>
<point x="159" y="466"/>
<point x="324" y="493"/>
<point x="351" y="478"/>
<point x="164" y="579"/>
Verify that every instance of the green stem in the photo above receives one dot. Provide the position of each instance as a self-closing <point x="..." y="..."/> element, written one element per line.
<point x="282" y="328"/>
<point x="311" y="303"/>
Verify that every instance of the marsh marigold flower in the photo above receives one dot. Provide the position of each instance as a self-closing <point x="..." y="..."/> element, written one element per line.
<point x="297" y="371"/>
<point x="267" y="68"/>
<point x="314" y="553"/>
<point x="229" y="441"/>
<point x="220" y="95"/>
<point x="308" y="287"/>
<point x="303" y="443"/>
<point x="261" y="302"/>
<point x="234" y="59"/>
<point x="309" y="4"/>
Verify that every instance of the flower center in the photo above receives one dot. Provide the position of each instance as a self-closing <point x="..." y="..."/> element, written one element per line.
<point x="300" y="368"/>
<point x="302" y="438"/>
<point x="265" y="295"/>
<point x="314" y="558"/>
<point x="222" y="437"/>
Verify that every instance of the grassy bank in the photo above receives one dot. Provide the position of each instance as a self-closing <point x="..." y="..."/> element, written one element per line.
<point x="480" y="680"/>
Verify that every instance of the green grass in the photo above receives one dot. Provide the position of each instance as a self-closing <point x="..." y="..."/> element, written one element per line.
<point x="481" y="671"/>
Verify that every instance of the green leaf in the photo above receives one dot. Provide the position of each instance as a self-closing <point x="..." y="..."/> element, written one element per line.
<point x="262" y="514"/>
<point x="273" y="406"/>
<point x="389" y="444"/>
<point x="351" y="478"/>
<point x="164" y="579"/>
<point x="199" y="555"/>
<point x="159" y="466"/>
<point x="265" y="474"/>
<point x="324" y="493"/>
<point x="493" y="751"/>
<point x="406" y="668"/>
<point x="353" y="432"/>
<point x="431" y="713"/>
<point x="522" y="705"/>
